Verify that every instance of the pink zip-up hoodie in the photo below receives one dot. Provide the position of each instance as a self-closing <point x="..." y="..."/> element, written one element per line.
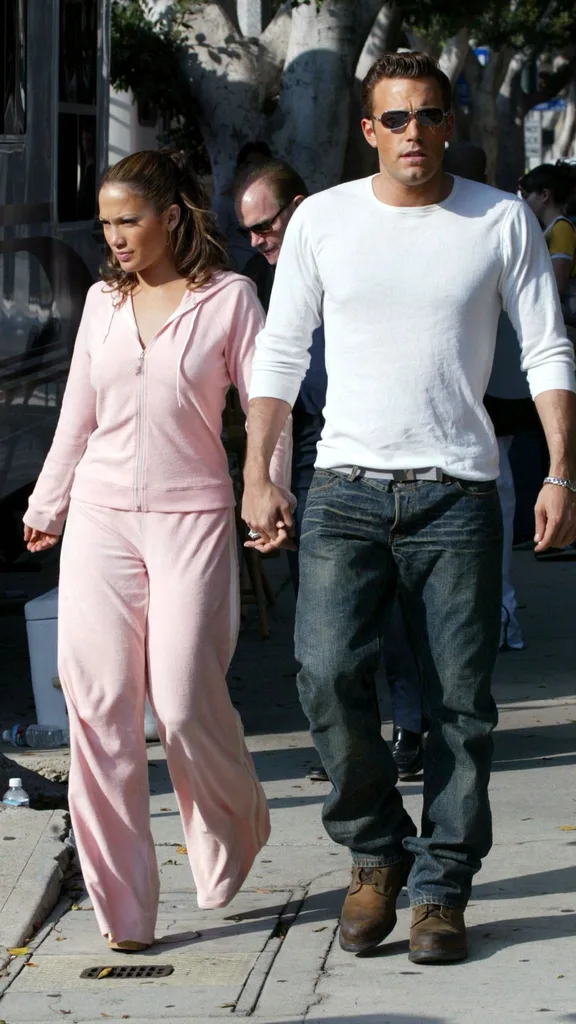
<point x="140" y="429"/>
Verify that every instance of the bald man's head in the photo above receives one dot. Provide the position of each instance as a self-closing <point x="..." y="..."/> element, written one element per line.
<point x="465" y="160"/>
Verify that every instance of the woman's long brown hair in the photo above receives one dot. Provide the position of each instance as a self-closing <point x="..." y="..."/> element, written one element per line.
<point x="164" y="178"/>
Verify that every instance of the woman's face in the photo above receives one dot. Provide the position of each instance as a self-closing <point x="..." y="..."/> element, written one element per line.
<point x="136" y="233"/>
<point x="537" y="201"/>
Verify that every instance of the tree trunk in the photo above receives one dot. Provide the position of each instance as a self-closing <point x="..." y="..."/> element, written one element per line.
<point x="485" y="82"/>
<point x="310" y="127"/>
<point x="454" y="54"/>
<point x="223" y="69"/>
<point x="361" y="160"/>
<point x="510" y="109"/>
<point x="567" y="131"/>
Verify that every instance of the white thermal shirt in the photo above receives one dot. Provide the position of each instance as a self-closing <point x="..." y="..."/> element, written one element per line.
<point x="410" y="299"/>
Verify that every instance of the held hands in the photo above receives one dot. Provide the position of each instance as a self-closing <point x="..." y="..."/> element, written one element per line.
<point x="555" y="517"/>
<point x="267" y="511"/>
<point x="37" y="540"/>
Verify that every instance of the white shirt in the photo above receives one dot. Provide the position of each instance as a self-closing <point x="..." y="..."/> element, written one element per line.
<point x="410" y="298"/>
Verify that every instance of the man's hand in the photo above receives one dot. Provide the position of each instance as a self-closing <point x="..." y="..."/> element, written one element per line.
<point x="37" y="540"/>
<point x="267" y="511"/>
<point x="555" y="517"/>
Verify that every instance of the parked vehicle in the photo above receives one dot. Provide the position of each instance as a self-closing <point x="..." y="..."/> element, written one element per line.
<point x="53" y="149"/>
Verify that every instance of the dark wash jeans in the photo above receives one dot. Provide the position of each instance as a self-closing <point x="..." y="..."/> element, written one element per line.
<point x="441" y="545"/>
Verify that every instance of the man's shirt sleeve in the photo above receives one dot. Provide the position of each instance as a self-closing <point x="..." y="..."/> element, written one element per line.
<point x="282" y="348"/>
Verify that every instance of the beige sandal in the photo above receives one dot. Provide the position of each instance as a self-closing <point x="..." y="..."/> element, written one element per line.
<point x="128" y="946"/>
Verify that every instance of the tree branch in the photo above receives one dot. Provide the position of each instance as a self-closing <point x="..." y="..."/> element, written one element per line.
<point x="453" y="54"/>
<point x="553" y="84"/>
<point x="276" y="37"/>
<point x="382" y="37"/>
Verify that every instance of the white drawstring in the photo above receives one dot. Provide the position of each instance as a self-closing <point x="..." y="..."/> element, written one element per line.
<point x="181" y="358"/>
<point x="109" y="323"/>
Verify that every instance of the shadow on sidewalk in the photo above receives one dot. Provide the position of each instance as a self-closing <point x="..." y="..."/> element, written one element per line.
<point x="375" y="1018"/>
<point x="541" y="883"/>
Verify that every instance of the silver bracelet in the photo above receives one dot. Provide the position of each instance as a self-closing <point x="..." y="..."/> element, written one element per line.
<point x="560" y="482"/>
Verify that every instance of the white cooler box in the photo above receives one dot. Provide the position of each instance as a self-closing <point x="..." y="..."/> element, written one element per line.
<point x="42" y="627"/>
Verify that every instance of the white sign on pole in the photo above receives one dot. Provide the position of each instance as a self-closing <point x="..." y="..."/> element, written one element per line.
<point x="533" y="138"/>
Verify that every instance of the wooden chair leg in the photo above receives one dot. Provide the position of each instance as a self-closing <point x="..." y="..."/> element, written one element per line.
<point x="254" y="567"/>
<point x="267" y="588"/>
<point x="261" y="589"/>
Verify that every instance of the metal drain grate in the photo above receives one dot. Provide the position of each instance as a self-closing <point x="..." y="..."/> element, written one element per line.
<point x="138" y="971"/>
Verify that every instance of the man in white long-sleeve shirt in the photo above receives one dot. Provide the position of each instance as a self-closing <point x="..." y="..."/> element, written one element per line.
<point x="410" y="270"/>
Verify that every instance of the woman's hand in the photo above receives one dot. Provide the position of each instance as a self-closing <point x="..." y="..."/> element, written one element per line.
<point x="37" y="540"/>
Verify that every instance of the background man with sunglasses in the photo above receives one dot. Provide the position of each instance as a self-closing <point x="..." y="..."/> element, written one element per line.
<point x="266" y="197"/>
<point x="409" y="270"/>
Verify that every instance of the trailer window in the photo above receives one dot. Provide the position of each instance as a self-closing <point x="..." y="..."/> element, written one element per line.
<point x="77" y="127"/>
<point x="13" y="67"/>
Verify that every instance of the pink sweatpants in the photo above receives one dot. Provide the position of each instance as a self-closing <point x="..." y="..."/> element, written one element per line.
<point x="149" y="603"/>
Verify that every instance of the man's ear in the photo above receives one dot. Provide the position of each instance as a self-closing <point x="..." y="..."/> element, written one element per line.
<point x="369" y="132"/>
<point x="298" y="199"/>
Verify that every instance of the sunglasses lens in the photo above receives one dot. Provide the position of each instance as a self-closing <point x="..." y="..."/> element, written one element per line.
<point x="430" y="117"/>
<point x="394" y="119"/>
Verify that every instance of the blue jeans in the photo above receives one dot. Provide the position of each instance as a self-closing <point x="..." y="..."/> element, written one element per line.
<point x="440" y="544"/>
<point x="400" y="666"/>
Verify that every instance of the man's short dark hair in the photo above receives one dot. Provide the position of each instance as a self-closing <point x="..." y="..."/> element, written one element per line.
<point x="403" y="65"/>
<point x="284" y="181"/>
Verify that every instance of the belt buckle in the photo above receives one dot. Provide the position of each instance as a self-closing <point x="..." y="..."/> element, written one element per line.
<point x="402" y="476"/>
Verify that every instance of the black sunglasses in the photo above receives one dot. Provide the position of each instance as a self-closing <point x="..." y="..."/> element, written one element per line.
<point x="427" y="117"/>
<point x="265" y="226"/>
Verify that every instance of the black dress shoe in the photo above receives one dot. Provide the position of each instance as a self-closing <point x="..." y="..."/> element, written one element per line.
<point x="407" y="752"/>
<point x="318" y="774"/>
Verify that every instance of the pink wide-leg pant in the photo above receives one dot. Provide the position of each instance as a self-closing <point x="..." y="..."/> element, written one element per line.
<point x="148" y="604"/>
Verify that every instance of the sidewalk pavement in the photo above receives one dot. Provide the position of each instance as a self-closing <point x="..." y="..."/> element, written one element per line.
<point x="273" y="955"/>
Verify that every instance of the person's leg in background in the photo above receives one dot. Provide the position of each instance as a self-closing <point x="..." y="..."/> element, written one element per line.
<point x="103" y="607"/>
<point x="403" y="677"/>
<point x="510" y="632"/>
<point x="193" y="624"/>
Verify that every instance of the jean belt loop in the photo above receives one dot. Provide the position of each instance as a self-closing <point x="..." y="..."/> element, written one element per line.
<point x="355" y="474"/>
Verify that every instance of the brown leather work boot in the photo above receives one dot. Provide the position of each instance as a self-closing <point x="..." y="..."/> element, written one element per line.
<point x="437" y="935"/>
<point x="369" y="911"/>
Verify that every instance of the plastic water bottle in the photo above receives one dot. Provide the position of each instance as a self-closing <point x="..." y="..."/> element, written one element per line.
<point x="15" y="796"/>
<point x="41" y="737"/>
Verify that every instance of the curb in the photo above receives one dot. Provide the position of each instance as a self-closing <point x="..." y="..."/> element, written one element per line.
<point x="38" y="888"/>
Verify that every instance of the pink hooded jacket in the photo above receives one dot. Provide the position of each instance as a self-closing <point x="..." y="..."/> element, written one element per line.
<point x="140" y="428"/>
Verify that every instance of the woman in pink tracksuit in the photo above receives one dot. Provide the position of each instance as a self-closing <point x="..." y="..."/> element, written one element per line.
<point x="149" y="578"/>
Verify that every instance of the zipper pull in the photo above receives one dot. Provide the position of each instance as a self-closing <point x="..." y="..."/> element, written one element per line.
<point x="140" y="364"/>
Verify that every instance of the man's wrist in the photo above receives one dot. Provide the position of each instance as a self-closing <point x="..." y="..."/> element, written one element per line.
<point x="256" y="474"/>
<point x="563" y="470"/>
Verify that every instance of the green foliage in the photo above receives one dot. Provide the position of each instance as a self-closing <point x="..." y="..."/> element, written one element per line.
<point x="525" y="23"/>
<point x="147" y="57"/>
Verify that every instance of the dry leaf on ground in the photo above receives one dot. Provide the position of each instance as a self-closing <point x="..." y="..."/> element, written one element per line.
<point x="105" y="972"/>
<point x="567" y="828"/>
<point x="181" y="849"/>
<point x="19" y="951"/>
